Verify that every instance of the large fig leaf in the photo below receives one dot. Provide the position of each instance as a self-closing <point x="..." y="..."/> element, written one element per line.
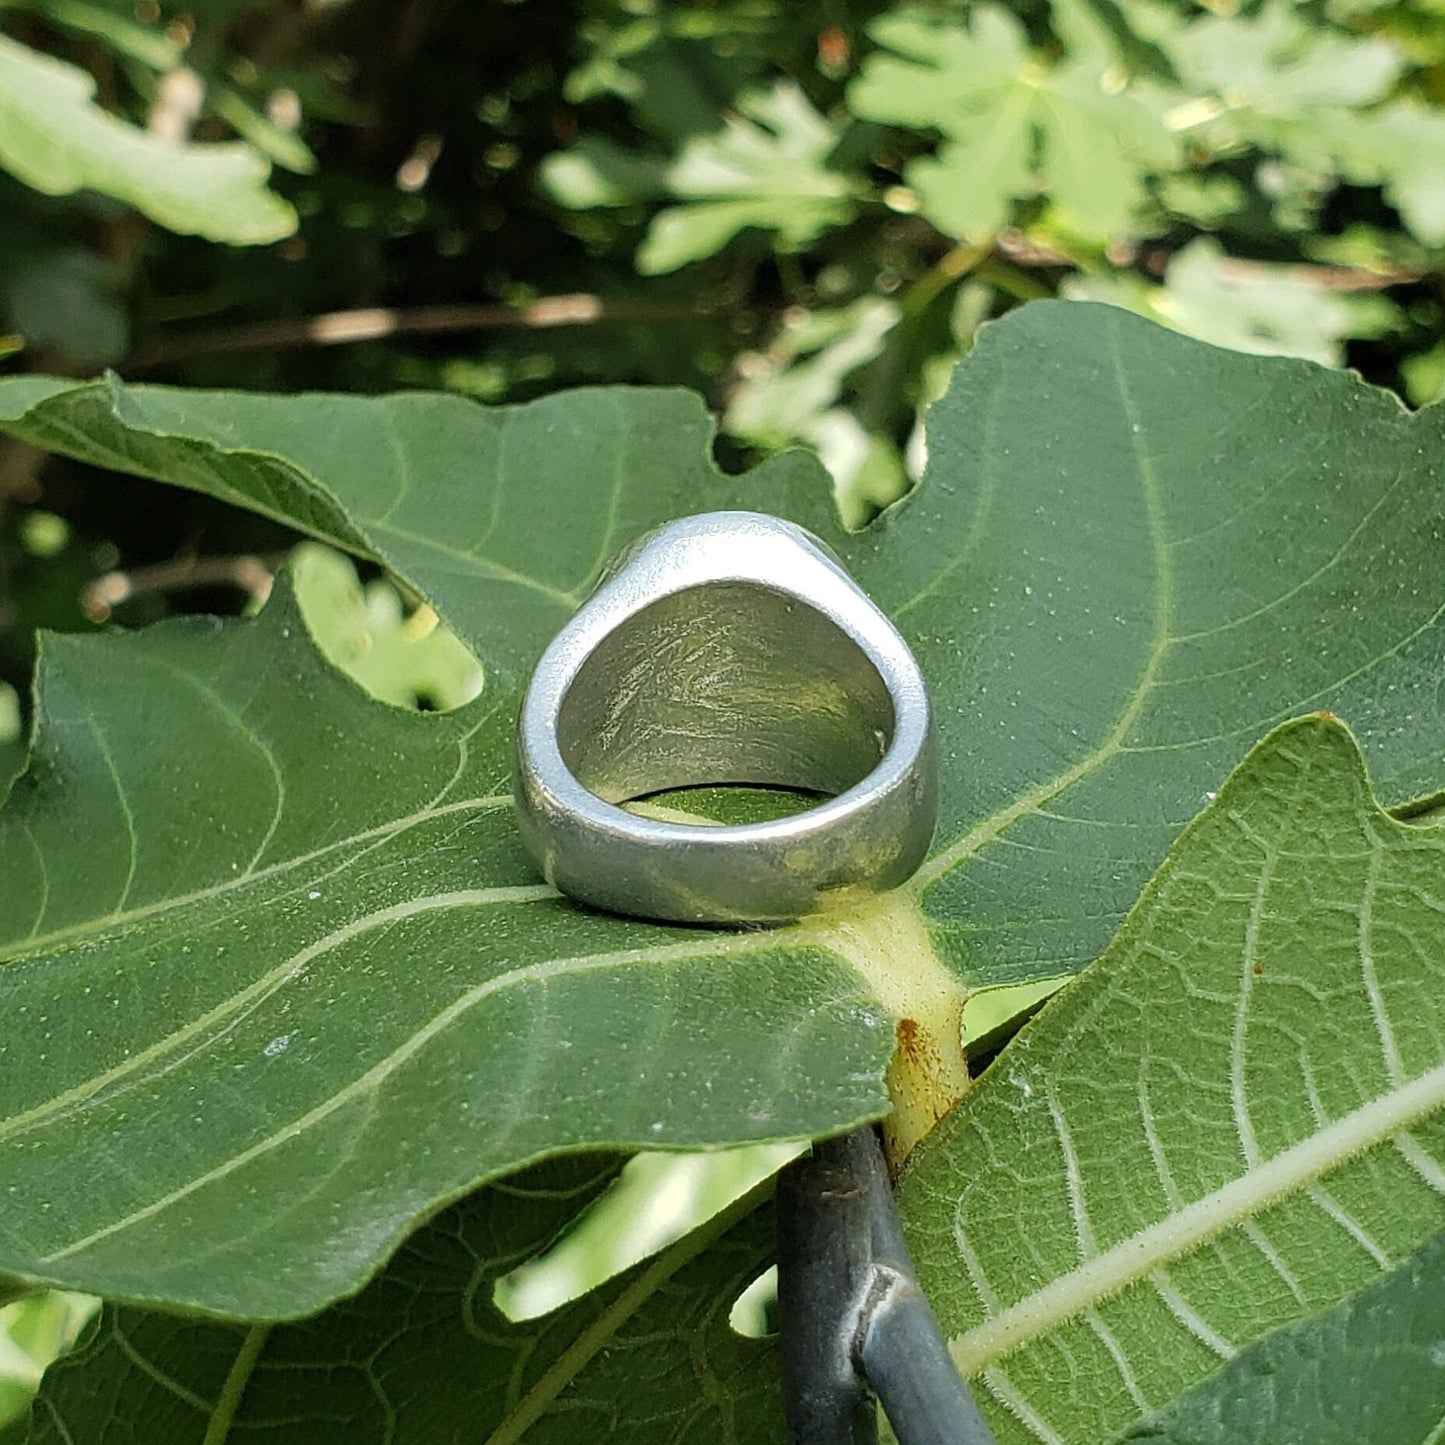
<point x="1235" y="1120"/>
<point x="1131" y="555"/>
<point x="423" y="1355"/>
<point x="280" y="982"/>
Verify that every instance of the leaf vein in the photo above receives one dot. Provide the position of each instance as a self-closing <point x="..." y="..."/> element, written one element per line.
<point x="982" y="833"/>
<point x="1184" y="1230"/>
<point x="238" y="1006"/>
<point x="381" y="833"/>
<point x="104" y="749"/>
<point x="1328" y="565"/>
<point x="484" y="566"/>
<point x="1189" y="1317"/>
<point x="368" y="1083"/>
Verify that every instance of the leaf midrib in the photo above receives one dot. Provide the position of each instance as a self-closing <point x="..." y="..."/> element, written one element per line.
<point x="1187" y="1229"/>
<point x="379" y="1072"/>
<point x="76" y="933"/>
<point x="982" y="833"/>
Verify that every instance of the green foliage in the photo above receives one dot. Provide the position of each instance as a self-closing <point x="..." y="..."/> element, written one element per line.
<point x="377" y="960"/>
<point x="792" y="393"/>
<point x="1326" y="102"/>
<point x="35" y="1329"/>
<point x="287" y="1008"/>
<point x="329" y="1019"/>
<point x="1012" y="126"/>
<point x="1257" y="307"/>
<point x="404" y="658"/>
<point x="766" y="169"/>
<point x="1369" y="1368"/>
<point x="1075" y="147"/>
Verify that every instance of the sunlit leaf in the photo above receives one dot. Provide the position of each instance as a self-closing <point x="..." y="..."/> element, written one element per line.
<point x="766" y="168"/>
<point x="403" y="658"/>
<point x="56" y="139"/>
<point x="1271" y="310"/>
<point x="1323" y="98"/>
<point x="1012" y="125"/>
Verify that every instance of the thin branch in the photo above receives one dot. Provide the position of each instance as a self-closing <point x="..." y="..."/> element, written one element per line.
<point x="371" y="323"/>
<point x="1322" y="278"/>
<point x="253" y="575"/>
<point x="851" y="1312"/>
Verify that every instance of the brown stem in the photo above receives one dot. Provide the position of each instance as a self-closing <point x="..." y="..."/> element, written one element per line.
<point x="370" y="323"/>
<point x="1323" y="278"/>
<point x="253" y="575"/>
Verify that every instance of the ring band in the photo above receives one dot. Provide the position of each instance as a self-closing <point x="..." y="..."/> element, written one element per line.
<point x="726" y="648"/>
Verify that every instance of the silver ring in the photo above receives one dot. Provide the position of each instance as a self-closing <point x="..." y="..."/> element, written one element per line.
<point x="727" y="648"/>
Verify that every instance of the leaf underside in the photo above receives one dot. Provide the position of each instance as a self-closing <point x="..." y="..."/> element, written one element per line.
<point x="279" y="942"/>
<point x="1233" y="1121"/>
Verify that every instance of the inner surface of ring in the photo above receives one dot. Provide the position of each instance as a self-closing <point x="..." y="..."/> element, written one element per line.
<point x="731" y="683"/>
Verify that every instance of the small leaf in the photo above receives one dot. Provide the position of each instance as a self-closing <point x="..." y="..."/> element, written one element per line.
<point x="1279" y="64"/>
<point x="281" y="145"/>
<point x="1400" y="147"/>
<point x="1270" y="310"/>
<point x="1232" y="1121"/>
<point x="599" y="172"/>
<point x="1323" y="98"/>
<point x="56" y="139"/>
<point x="145" y="43"/>
<point x="766" y="168"/>
<point x="802" y="376"/>
<point x="991" y="1016"/>
<point x="791" y="394"/>
<point x="424" y="1355"/>
<point x="965" y="83"/>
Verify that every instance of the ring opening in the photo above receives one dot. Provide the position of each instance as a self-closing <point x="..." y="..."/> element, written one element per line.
<point x="726" y="684"/>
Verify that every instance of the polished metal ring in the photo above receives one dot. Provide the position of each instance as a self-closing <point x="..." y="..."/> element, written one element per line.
<point x="727" y="648"/>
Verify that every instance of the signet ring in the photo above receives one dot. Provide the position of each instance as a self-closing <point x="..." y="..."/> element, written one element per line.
<point x="727" y="648"/>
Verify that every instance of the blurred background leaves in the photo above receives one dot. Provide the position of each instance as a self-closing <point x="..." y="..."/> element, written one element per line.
<point x="805" y="214"/>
